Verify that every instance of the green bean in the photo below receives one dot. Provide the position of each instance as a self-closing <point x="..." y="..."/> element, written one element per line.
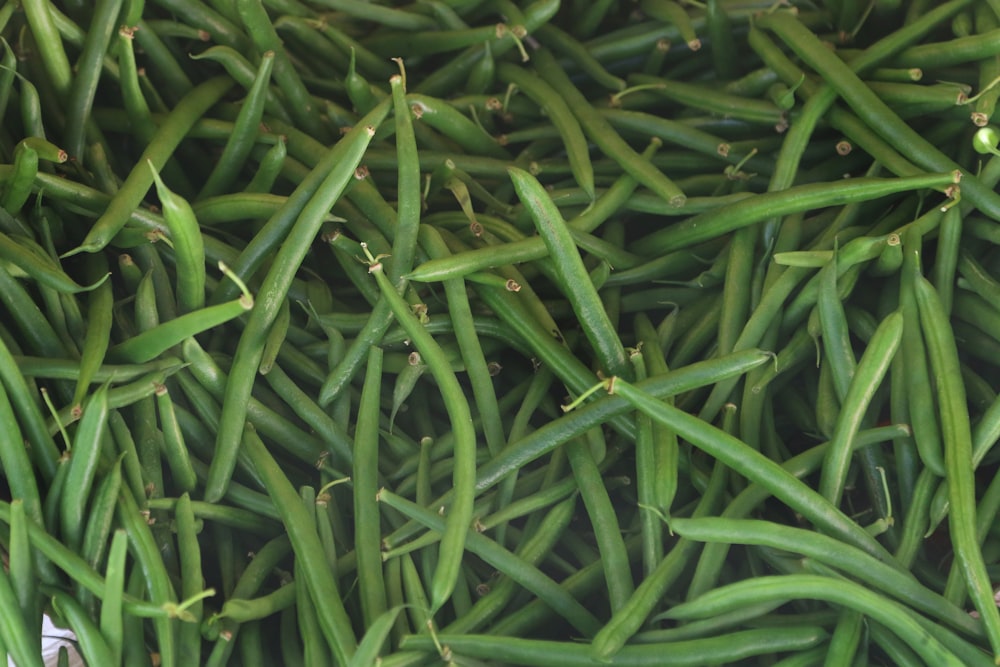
<point x="527" y="575"/>
<point x="309" y="550"/>
<point x="187" y="244"/>
<point x="251" y="645"/>
<point x="871" y="370"/>
<point x="923" y="417"/>
<point x="727" y="218"/>
<point x="597" y="128"/>
<point x="13" y="457"/>
<point x="83" y="467"/>
<point x="408" y="183"/>
<point x="347" y="152"/>
<point x="50" y="46"/>
<point x="627" y="620"/>
<point x="151" y="343"/>
<point x="174" y="449"/>
<point x="272" y="425"/>
<point x="756" y="467"/>
<point x="946" y="256"/>
<point x="275" y="338"/>
<point x="460" y="515"/>
<point x="134" y="648"/>
<point x="83" y="85"/>
<point x="809" y="586"/>
<point x="957" y="440"/>
<point x="20" y="566"/>
<point x="836" y="337"/>
<point x="110" y="622"/>
<point x="872" y="110"/>
<point x="159" y="149"/>
<point x="373" y="639"/>
<point x="723" y="648"/>
<point x="455" y="126"/>
<point x="561" y="116"/>
<point x="240" y="611"/>
<point x="93" y="645"/>
<point x="18" y="186"/>
<point x="582" y="419"/>
<point x="240" y="69"/>
<point x="826" y="550"/>
<point x="367" y="520"/>
<point x="568" y="265"/>
<point x="158" y="585"/>
<point x="245" y="130"/>
<point x="101" y="515"/>
<point x="719" y="103"/>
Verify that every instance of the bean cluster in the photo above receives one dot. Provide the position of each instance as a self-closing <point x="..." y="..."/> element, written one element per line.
<point x="483" y="332"/>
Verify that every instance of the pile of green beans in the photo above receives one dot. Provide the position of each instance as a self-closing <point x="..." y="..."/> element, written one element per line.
<point x="485" y="332"/>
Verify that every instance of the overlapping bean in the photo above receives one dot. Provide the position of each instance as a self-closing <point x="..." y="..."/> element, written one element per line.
<point x="559" y="332"/>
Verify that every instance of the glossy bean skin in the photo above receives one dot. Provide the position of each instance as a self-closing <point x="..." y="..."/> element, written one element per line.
<point x="904" y="586"/>
<point x="874" y="111"/>
<point x="161" y="146"/>
<point x="83" y="466"/>
<point x="272" y="292"/>
<point x="872" y="367"/>
<point x="819" y="587"/>
<point x="763" y="470"/>
<point x="460" y="514"/>
<point x="734" y="646"/>
<point x="528" y="576"/>
<point x="957" y="441"/>
<point x="600" y="132"/>
<point x="569" y="266"/>
<point x="329" y="606"/>
<point x="580" y="420"/>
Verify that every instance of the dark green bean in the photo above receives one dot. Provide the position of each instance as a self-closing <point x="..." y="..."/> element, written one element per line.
<point x="159" y="149"/>
<point x="347" y="154"/>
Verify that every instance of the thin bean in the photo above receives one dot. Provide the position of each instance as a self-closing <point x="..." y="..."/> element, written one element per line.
<point x="20" y="566"/>
<point x="561" y="116"/>
<point x="577" y="422"/>
<point x="808" y="586"/>
<point x="756" y="467"/>
<point x="408" y="184"/>
<point x="151" y="563"/>
<point x="174" y="449"/>
<point x="50" y="46"/>
<point x="901" y="585"/>
<point x="727" y="218"/>
<point x="268" y="168"/>
<point x="333" y="618"/>
<point x="187" y="244"/>
<point x="367" y="516"/>
<point x="957" y="439"/>
<point x="627" y="620"/>
<point x="601" y="133"/>
<point x="460" y="515"/>
<point x="873" y="111"/>
<point x="151" y="343"/>
<point x="83" y="467"/>
<point x="84" y="84"/>
<point x="110" y="623"/>
<point x="871" y="370"/>
<point x="161" y="146"/>
<point x="724" y="648"/>
<point x="514" y="567"/>
<point x="569" y="267"/>
<point x="93" y="646"/>
<point x="347" y="154"/>
<point x="245" y="131"/>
